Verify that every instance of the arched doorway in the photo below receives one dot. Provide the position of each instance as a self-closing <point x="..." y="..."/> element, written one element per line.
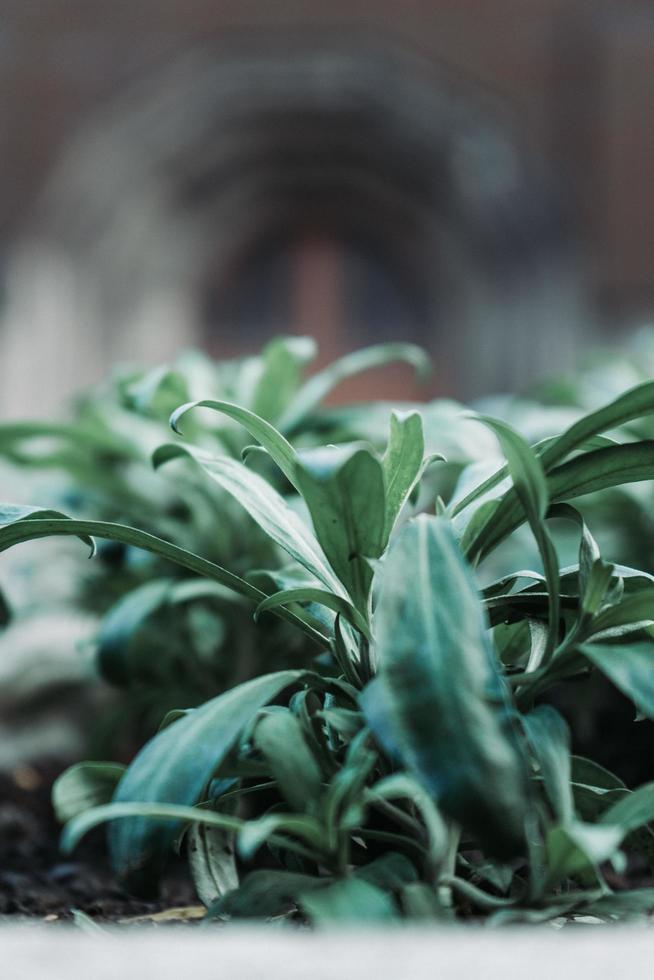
<point x="246" y="173"/>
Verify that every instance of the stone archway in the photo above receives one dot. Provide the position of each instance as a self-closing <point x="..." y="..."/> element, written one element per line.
<point x="199" y="163"/>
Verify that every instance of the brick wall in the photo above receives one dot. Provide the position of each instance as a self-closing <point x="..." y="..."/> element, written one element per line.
<point x="577" y="81"/>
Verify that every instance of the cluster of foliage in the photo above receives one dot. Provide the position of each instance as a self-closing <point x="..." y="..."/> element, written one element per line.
<point x="412" y="767"/>
<point x="620" y="517"/>
<point x="167" y="639"/>
<point x="557" y="402"/>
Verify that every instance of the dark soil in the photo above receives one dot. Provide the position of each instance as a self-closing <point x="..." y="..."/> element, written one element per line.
<point x="37" y="881"/>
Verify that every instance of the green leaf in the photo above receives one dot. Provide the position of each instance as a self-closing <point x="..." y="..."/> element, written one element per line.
<point x="390" y="872"/>
<point x="531" y="487"/>
<point x="71" y="437"/>
<point x="282" y="361"/>
<point x="634" y="610"/>
<point x="592" y="774"/>
<point x="594" y="586"/>
<point x="273" y="441"/>
<point x="549" y="738"/>
<point x="174" y="814"/>
<point x="156" y="392"/>
<point x="492" y="482"/>
<point x="629" y="667"/>
<point x="280" y="738"/>
<point x="255" y="833"/>
<point x="633" y="404"/>
<point x="84" y="785"/>
<point x="346" y="787"/>
<point x="345" y="722"/>
<point x="193" y="589"/>
<point x="475" y="896"/>
<point x="450" y="718"/>
<point x="347" y="652"/>
<point x="304" y="595"/>
<point x="11" y="514"/>
<point x="346" y="902"/>
<point x="476" y="527"/>
<point x="343" y="487"/>
<point x="506" y="583"/>
<point x="345" y="791"/>
<point x="401" y="463"/>
<point x="401" y="785"/>
<point x="588" y="473"/>
<point x="595" y="575"/>
<point x="123" y="620"/>
<point x="420" y="902"/>
<point x="592" y="801"/>
<point x="263" y="504"/>
<point x="175" y="766"/>
<point x="627" y="407"/>
<point x="317" y="387"/>
<point x="632" y="811"/>
<point x="39" y="527"/>
<point x="264" y="894"/>
<point x="211" y="862"/>
<point x="603" y="468"/>
<point x="623" y="905"/>
<point x="579" y="847"/>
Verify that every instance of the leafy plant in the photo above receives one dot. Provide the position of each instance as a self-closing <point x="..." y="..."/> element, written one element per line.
<point x="164" y="637"/>
<point x="560" y="401"/>
<point x="413" y="767"/>
<point x="620" y="516"/>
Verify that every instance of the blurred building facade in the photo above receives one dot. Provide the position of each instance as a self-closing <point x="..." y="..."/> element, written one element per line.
<point x="472" y="176"/>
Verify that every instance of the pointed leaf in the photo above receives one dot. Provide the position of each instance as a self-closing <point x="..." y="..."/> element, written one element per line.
<point x="343" y="487"/>
<point x="283" y="361"/>
<point x="11" y="514"/>
<point x="279" y="737"/>
<point x="267" y="507"/>
<point x="579" y="847"/>
<point x="83" y="786"/>
<point x="592" y="774"/>
<point x="549" y="739"/>
<point x="632" y="811"/>
<point x="635" y="609"/>
<point x="588" y="473"/>
<point x="337" y="603"/>
<point x="317" y="387"/>
<point x="176" y="765"/>
<point x="450" y="713"/>
<point x="630" y="667"/>
<point x="402" y="463"/>
<point x="212" y="862"/>
<point x="273" y="441"/>
<point x="37" y="527"/>
<point x="633" y="404"/>
<point x="264" y="894"/>
<point x="123" y="620"/>
<point x="531" y="487"/>
<point x="350" y="900"/>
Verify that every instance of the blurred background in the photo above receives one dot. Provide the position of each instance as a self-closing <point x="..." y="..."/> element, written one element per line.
<point x="472" y="176"/>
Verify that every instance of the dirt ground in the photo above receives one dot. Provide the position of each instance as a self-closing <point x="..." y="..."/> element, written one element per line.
<point x="38" y="882"/>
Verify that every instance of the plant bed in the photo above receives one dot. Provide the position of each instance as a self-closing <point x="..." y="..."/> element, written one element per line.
<point x="413" y="765"/>
<point x="38" y="883"/>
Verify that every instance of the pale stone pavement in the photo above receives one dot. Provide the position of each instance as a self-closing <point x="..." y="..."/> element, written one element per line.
<point x="246" y="953"/>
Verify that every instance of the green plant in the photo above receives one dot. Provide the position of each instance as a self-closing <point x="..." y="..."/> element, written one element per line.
<point x="413" y="767"/>
<point x="166" y="639"/>
<point x="558" y="402"/>
<point x="620" y="516"/>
